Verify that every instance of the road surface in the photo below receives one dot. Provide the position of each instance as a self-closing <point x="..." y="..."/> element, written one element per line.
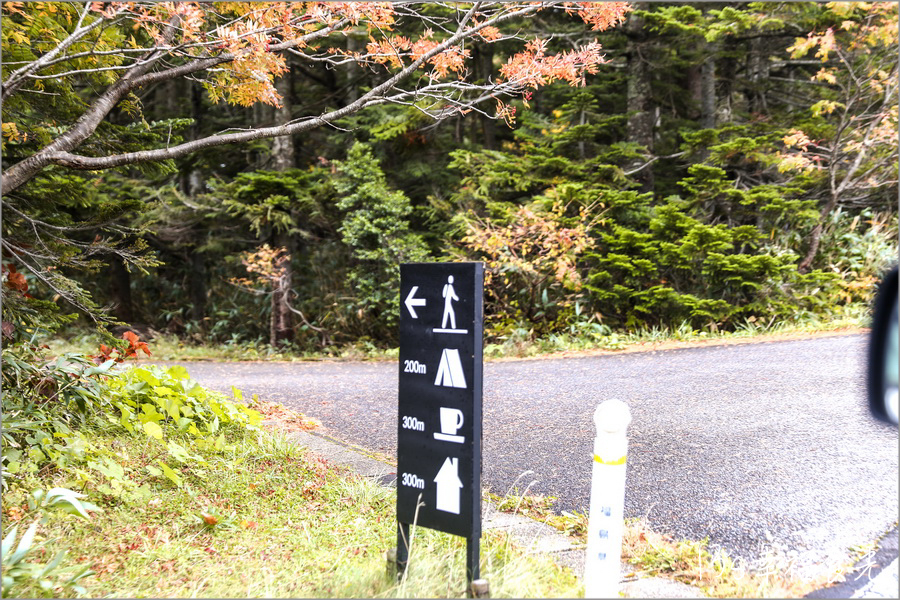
<point x="767" y="449"/>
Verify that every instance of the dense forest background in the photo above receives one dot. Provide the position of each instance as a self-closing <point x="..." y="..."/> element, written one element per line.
<point x="728" y="163"/>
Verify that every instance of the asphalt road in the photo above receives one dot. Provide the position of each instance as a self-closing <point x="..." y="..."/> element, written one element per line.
<point x="767" y="449"/>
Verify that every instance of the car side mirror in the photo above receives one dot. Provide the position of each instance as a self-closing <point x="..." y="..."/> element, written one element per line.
<point x="884" y="352"/>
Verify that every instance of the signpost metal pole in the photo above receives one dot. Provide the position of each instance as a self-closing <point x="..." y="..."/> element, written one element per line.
<point x="473" y="553"/>
<point x="402" y="548"/>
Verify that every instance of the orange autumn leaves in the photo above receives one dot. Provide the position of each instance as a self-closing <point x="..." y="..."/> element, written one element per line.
<point x="15" y="280"/>
<point x="529" y="69"/>
<point x="856" y="79"/>
<point x="119" y="355"/>
<point x="536" y="250"/>
<point x="534" y="67"/>
<point x="391" y="51"/>
<point x="248" y="31"/>
<point x="267" y="266"/>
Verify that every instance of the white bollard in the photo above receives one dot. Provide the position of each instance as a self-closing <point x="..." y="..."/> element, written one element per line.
<point x="607" y="513"/>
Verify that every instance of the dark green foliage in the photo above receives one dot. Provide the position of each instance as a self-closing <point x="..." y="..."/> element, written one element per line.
<point x="712" y="256"/>
<point x="78" y="223"/>
<point x="695" y="223"/>
<point x="272" y="202"/>
<point x="667" y="267"/>
<point x="375" y="230"/>
<point x="348" y="232"/>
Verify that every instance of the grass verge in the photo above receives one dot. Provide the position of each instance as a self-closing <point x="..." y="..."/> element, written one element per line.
<point x="520" y="343"/>
<point x="692" y="562"/>
<point x="262" y="519"/>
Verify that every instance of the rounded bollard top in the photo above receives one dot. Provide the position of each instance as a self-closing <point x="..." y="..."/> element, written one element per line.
<point x="612" y="416"/>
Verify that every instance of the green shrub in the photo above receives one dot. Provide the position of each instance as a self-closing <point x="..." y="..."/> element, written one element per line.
<point x="153" y="398"/>
<point x="662" y="266"/>
<point x="51" y="407"/>
<point x="375" y="230"/>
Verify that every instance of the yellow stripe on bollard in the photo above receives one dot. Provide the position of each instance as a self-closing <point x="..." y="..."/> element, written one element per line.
<point x="620" y="461"/>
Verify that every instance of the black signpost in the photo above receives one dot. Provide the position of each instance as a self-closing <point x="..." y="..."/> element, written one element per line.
<point x="439" y="405"/>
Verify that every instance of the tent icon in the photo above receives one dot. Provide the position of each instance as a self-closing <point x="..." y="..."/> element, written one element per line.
<point x="450" y="371"/>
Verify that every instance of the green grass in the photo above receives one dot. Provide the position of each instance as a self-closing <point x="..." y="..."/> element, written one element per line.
<point x="286" y="524"/>
<point x="653" y="554"/>
<point x="520" y="343"/>
<point x="169" y="347"/>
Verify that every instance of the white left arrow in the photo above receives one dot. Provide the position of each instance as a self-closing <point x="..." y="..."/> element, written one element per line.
<point x="411" y="301"/>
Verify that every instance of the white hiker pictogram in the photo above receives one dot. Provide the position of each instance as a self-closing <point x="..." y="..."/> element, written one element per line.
<point x="448" y="486"/>
<point x="449" y="295"/>
<point x="450" y="371"/>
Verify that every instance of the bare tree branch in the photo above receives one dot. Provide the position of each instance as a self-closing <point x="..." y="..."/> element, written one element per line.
<point x="16" y="78"/>
<point x="141" y="73"/>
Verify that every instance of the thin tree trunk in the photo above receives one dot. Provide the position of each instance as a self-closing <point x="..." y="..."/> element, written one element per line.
<point x="282" y="325"/>
<point x="695" y="91"/>
<point x="120" y="290"/>
<point x="352" y="70"/>
<point x="260" y="114"/>
<point x="759" y="75"/>
<point x="727" y="74"/>
<point x="582" y="120"/>
<point x="701" y="85"/>
<point x="641" y="114"/>
<point x="483" y="55"/>
<point x="197" y="288"/>
<point x="193" y="183"/>
<point x="191" y="179"/>
<point x="708" y="91"/>
<point x="283" y="146"/>
<point x="815" y="236"/>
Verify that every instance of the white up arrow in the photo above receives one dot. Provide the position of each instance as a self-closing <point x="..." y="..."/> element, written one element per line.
<point x="411" y="301"/>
